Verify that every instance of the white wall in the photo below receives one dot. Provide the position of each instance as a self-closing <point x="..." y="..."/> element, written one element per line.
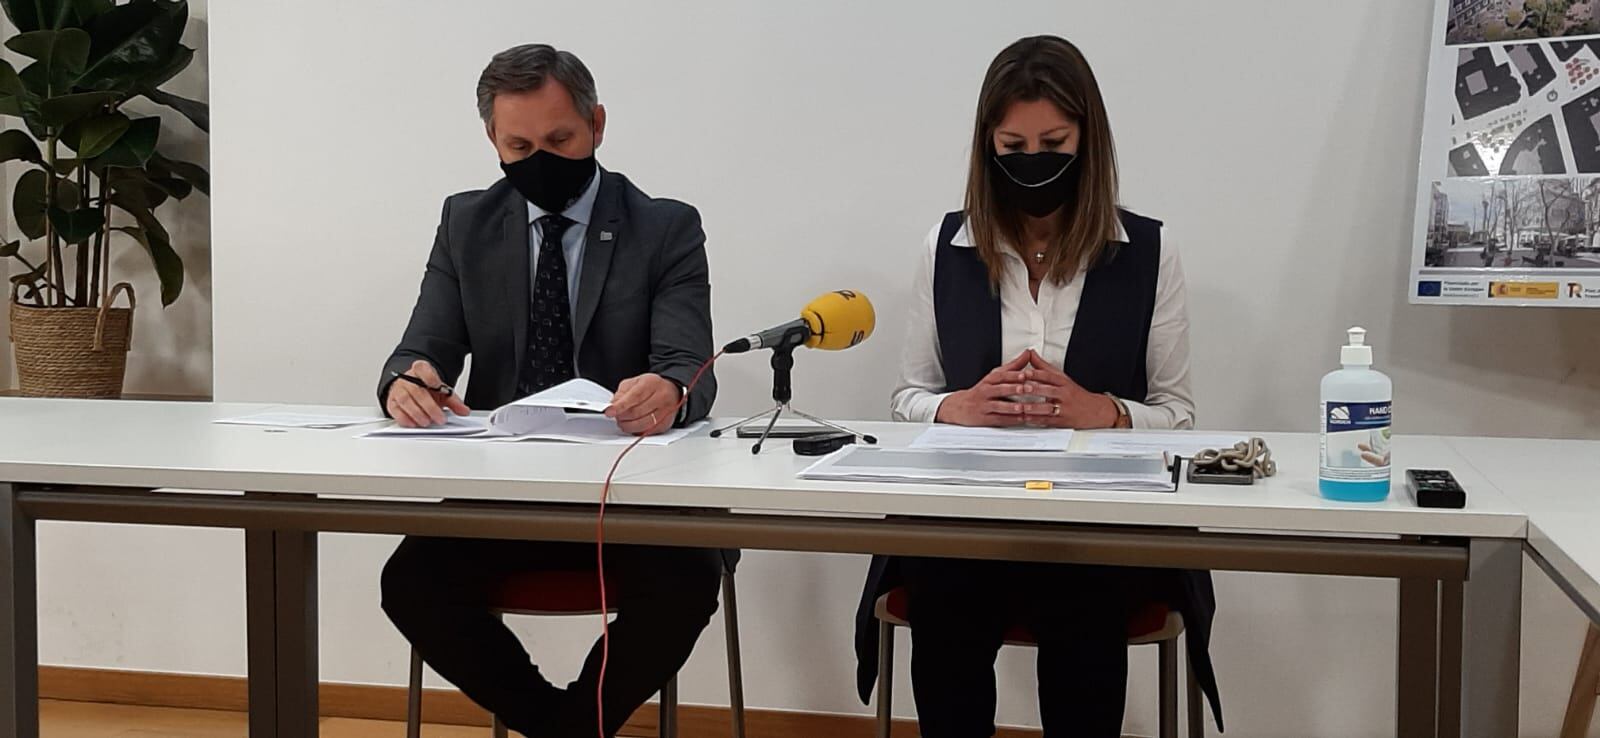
<point x="821" y="140"/>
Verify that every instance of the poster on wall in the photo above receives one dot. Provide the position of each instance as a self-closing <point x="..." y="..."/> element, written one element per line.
<point x="1508" y="192"/>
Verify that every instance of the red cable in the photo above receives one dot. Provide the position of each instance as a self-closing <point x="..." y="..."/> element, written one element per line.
<point x="600" y="547"/>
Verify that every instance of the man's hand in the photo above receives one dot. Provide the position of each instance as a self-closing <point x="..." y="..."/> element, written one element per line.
<point x="1066" y="404"/>
<point x="414" y="407"/>
<point x="645" y="404"/>
<point x="986" y="404"/>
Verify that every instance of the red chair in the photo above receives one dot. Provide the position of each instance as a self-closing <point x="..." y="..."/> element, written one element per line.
<point x="1155" y="623"/>
<point x="569" y="593"/>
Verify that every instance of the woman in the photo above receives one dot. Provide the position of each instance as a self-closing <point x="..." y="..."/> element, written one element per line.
<point x="1040" y="303"/>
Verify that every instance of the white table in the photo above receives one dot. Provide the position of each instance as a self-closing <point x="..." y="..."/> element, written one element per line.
<point x="97" y="461"/>
<point x="1557" y="485"/>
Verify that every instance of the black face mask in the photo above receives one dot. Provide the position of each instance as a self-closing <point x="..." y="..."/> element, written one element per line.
<point x="550" y="181"/>
<point x="1037" y="184"/>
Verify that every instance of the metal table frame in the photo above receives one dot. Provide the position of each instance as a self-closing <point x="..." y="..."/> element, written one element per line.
<point x="1459" y="599"/>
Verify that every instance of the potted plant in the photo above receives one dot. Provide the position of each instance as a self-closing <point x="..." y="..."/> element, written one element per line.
<point x="93" y="180"/>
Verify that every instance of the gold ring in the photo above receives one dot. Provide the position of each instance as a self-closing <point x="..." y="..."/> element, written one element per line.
<point x="652" y="420"/>
<point x="1055" y="410"/>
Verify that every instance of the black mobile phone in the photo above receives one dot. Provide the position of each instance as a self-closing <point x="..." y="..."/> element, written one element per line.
<point x="781" y="430"/>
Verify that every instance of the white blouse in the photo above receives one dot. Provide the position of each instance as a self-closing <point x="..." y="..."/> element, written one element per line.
<point x="1046" y="327"/>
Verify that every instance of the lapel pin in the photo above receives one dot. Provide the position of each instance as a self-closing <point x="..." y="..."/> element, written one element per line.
<point x="605" y="235"/>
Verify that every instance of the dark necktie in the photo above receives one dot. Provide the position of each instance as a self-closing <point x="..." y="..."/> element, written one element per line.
<point x="550" y="350"/>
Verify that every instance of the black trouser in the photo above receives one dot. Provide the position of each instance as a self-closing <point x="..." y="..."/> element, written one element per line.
<point x="960" y="610"/>
<point x="437" y="592"/>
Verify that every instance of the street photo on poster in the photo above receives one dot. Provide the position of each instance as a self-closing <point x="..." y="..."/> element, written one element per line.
<point x="1544" y="223"/>
<point x="1483" y="21"/>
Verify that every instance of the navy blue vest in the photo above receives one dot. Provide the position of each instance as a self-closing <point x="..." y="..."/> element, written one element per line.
<point x="1109" y="336"/>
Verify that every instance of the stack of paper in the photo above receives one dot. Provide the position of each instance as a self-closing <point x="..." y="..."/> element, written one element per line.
<point x="1177" y="443"/>
<point x="541" y="417"/>
<point x="955" y="437"/>
<point x="1129" y="472"/>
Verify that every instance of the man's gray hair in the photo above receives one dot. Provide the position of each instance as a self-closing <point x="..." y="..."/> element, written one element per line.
<point x="526" y="67"/>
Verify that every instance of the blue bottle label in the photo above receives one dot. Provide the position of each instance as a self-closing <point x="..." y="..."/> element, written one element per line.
<point x="1355" y="441"/>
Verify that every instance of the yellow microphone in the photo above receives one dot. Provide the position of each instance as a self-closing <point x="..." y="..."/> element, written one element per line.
<point x="833" y="322"/>
<point x="838" y="320"/>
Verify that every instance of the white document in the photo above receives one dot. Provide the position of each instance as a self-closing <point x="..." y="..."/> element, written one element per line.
<point x="1177" y="443"/>
<point x="299" y="420"/>
<point x="541" y="411"/>
<point x="955" y="437"/>
<point x="543" y="417"/>
<point x="454" y="426"/>
<point x="603" y="431"/>
<point x="1082" y="471"/>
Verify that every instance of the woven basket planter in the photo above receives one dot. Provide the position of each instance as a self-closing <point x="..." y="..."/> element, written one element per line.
<point x="72" y="352"/>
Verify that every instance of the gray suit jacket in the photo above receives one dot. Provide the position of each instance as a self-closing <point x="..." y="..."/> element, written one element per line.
<point x="644" y="299"/>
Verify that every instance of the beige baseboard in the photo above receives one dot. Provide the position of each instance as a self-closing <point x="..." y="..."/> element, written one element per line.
<point x="443" y="706"/>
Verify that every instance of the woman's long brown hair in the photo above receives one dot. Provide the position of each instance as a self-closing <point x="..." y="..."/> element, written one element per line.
<point x="1044" y="68"/>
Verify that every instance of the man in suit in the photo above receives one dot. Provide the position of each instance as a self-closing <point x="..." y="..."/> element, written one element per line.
<point x="560" y="270"/>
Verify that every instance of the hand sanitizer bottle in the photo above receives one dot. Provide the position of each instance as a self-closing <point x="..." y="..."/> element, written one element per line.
<point x="1355" y="427"/>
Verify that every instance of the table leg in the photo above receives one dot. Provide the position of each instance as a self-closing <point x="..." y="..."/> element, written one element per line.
<point x="1417" y="668"/>
<point x="1491" y="638"/>
<point x="1450" y="606"/>
<point x="281" y="594"/>
<point x="19" y="620"/>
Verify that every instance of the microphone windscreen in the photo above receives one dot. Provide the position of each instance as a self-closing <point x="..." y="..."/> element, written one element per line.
<point x="839" y="320"/>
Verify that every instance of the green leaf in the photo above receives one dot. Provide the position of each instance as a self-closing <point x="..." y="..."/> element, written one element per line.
<point x="168" y="264"/>
<point x="68" y="47"/>
<point x="100" y="133"/>
<point x="197" y="112"/>
<point x="87" y="10"/>
<point x="33" y="15"/>
<point x="10" y="105"/>
<point x="180" y="61"/>
<point x="192" y="173"/>
<point x="173" y="186"/>
<point x="135" y="147"/>
<point x="131" y="189"/>
<point x="128" y="202"/>
<point x="8" y="250"/>
<point x="62" y="55"/>
<point x="68" y="195"/>
<point x="36" y="127"/>
<point x="28" y="203"/>
<point x="15" y="144"/>
<point x="59" y="111"/>
<point x="76" y="226"/>
<point x="36" y="80"/>
<point x="133" y="41"/>
<point x="20" y="101"/>
<point x="10" y="83"/>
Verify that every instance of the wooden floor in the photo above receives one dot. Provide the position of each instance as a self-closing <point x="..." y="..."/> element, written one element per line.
<point x="88" y="720"/>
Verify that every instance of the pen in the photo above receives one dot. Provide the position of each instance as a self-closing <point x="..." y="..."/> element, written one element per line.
<point x="443" y="389"/>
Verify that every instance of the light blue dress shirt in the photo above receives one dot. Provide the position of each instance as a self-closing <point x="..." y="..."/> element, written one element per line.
<point x="579" y="212"/>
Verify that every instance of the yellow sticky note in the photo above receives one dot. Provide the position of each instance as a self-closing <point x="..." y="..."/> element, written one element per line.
<point x="1039" y="486"/>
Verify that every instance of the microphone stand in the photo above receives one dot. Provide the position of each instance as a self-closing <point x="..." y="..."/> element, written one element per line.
<point x="783" y="393"/>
